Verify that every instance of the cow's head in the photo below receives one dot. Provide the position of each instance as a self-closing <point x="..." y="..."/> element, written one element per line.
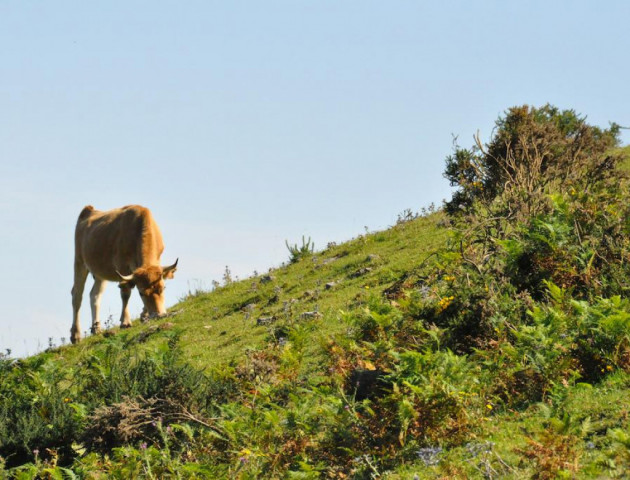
<point x="150" y="283"/>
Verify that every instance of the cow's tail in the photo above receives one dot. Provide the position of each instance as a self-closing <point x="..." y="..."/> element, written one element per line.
<point x="86" y="212"/>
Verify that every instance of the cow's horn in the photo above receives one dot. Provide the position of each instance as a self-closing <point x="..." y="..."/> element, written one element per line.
<point x="171" y="267"/>
<point x="125" y="278"/>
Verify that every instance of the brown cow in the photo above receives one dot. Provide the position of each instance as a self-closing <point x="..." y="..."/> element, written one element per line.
<point x="122" y="245"/>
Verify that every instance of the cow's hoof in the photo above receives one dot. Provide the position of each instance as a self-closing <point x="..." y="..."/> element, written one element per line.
<point x="96" y="330"/>
<point x="75" y="336"/>
<point x="125" y="325"/>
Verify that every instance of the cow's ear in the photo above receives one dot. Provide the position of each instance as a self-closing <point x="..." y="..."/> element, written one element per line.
<point x="169" y="272"/>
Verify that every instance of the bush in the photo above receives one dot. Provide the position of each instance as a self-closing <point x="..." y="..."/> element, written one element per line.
<point x="539" y="251"/>
<point x="37" y="417"/>
<point x="581" y="244"/>
<point x="532" y="152"/>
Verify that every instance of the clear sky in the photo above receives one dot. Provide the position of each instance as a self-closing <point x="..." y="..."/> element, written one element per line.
<point x="244" y="123"/>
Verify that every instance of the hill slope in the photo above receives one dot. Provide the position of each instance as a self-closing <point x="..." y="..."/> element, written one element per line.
<point x="218" y="327"/>
<point x="239" y="331"/>
<point x="461" y="347"/>
<point x="221" y="331"/>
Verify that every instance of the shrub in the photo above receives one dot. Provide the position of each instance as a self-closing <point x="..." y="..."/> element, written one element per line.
<point x="434" y="391"/>
<point x="580" y="244"/>
<point x="532" y="152"/>
<point x="297" y="253"/>
<point x="36" y="411"/>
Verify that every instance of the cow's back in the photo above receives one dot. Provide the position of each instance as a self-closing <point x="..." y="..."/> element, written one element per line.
<point x="118" y="240"/>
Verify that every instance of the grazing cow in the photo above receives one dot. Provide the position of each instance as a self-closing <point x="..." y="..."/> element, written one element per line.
<point x="122" y="245"/>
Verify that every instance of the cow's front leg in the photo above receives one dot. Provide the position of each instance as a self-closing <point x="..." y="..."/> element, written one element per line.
<point x="80" y="275"/>
<point x="95" y="303"/>
<point x="125" y="294"/>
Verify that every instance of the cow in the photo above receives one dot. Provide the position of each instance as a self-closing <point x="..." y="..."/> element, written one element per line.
<point x="123" y="245"/>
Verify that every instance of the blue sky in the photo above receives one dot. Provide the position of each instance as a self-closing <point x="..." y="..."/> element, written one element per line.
<point x="245" y="123"/>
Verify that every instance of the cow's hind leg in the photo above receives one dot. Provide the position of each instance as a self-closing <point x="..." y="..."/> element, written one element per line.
<point x="80" y="275"/>
<point x="125" y="294"/>
<point x="95" y="303"/>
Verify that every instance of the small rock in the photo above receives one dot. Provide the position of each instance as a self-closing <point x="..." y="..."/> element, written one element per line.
<point x="311" y="315"/>
<point x="360" y="272"/>
<point x="265" y="320"/>
<point x="166" y="326"/>
<point x="267" y="278"/>
<point x="143" y="336"/>
<point x="330" y="285"/>
<point x="372" y="257"/>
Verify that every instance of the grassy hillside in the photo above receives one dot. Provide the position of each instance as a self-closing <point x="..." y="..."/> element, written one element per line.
<point x="493" y="342"/>
<point x="218" y="332"/>
<point x="218" y="327"/>
<point x="222" y="332"/>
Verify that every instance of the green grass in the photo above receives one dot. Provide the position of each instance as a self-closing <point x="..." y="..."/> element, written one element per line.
<point x="344" y="284"/>
<point x="219" y="326"/>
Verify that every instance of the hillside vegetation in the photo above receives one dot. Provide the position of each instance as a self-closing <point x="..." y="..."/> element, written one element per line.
<point x="490" y="339"/>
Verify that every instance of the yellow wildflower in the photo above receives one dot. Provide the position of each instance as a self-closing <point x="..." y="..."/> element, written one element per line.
<point x="444" y="303"/>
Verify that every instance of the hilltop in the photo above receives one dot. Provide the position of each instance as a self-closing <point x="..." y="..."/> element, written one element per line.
<point x="486" y="340"/>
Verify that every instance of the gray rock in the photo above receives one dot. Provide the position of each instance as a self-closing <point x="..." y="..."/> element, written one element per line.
<point x="360" y="272"/>
<point x="265" y="320"/>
